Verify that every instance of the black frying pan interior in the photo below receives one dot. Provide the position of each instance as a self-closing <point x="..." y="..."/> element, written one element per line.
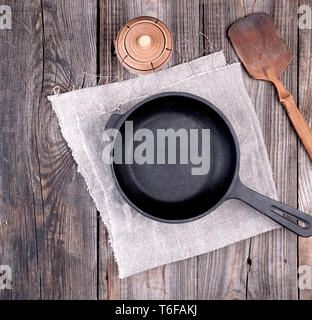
<point x="169" y="192"/>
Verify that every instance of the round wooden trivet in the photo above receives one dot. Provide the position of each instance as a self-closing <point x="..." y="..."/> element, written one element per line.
<point x="144" y="45"/>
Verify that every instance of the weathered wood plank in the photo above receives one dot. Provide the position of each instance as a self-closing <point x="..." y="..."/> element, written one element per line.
<point x="111" y="19"/>
<point x="68" y="225"/>
<point x="20" y="196"/>
<point x="48" y="221"/>
<point x="177" y="280"/>
<point x="272" y="255"/>
<point x="221" y="274"/>
<point x="304" y="163"/>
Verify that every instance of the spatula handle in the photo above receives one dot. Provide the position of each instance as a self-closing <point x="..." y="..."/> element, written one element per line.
<point x="295" y="116"/>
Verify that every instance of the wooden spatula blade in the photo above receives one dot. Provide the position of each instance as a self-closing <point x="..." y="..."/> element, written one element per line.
<point x="260" y="47"/>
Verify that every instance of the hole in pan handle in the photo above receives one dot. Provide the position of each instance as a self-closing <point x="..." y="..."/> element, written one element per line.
<point x="275" y="210"/>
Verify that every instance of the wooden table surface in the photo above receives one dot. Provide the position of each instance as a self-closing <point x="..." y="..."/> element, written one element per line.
<point x="50" y="232"/>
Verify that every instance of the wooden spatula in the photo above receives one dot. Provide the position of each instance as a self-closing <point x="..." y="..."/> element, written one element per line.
<point x="265" y="57"/>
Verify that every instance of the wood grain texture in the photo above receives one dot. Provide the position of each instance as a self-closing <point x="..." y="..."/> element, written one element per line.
<point x="48" y="221"/>
<point x="272" y="257"/>
<point x="304" y="163"/>
<point x="50" y="232"/>
<point x="68" y="224"/>
<point x="20" y="196"/>
<point x="111" y="19"/>
<point x="222" y="274"/>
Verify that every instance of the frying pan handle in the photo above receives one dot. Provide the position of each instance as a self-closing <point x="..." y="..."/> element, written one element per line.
<point x="274" y="210"/>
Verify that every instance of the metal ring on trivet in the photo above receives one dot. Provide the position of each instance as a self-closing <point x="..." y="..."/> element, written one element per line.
<point x="144" y="45"/>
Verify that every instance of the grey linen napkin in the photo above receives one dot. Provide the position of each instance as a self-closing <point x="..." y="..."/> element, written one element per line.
<point x="139" y="243"/>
